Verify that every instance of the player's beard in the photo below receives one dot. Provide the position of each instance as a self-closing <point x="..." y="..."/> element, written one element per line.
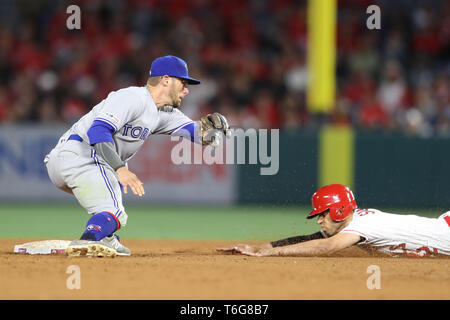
<point x="176" y="100"/>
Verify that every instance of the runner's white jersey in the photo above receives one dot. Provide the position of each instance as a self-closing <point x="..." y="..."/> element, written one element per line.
<point x="134" y="116"/>
<point x="397" y="234"/>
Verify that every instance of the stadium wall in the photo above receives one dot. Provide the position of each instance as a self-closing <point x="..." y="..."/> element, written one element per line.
<point x="23" y="175"/>
<point x="384" y="169"/>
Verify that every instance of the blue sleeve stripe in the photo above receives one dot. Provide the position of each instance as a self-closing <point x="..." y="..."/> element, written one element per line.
<point x="104" y="123"/>
<point x="172" y="130"/>
<point x="100" y="132"/>
<point x="183" y="127"/>
<point x="107" y="121"/>
<point x="188" y="131"/>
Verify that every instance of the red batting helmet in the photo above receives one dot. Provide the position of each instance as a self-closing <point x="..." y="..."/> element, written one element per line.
<point x="337" y="198"/>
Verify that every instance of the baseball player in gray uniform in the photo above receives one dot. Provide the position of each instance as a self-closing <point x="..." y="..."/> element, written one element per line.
<point x="90" y="159"/>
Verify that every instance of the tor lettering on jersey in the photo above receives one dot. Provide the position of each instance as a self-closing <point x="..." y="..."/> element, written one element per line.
<point x="136" y="132"/>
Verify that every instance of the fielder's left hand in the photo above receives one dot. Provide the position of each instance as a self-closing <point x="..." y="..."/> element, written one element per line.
<point x="209" y="124"/>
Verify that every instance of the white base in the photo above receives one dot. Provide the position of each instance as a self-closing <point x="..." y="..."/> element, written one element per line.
<point x="43" y="247"/>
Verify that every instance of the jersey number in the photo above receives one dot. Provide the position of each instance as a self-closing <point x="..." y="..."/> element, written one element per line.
<point x="420" y="252"/>
<point x="363" y="212"/>
<point x="447" y="219"/>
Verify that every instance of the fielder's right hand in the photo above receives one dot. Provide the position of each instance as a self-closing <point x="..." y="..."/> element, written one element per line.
<point x="129" y="179"/>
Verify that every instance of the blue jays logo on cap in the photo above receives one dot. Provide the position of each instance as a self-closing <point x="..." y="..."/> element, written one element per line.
<point x="173" y="67"/>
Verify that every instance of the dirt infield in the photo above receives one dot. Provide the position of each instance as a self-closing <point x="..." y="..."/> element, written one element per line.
<point x="180" y="269"/>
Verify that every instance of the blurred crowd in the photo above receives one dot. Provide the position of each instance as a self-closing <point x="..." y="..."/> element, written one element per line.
<point x="250" y="55"/>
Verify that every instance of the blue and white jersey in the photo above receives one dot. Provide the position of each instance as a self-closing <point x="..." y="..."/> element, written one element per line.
<point x="133" y="115"/>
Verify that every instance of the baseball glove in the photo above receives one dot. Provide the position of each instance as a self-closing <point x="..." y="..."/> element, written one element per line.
<point x="211" y="125"/>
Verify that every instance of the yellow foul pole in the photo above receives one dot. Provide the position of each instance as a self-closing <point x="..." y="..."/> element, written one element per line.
<point x="336" y="143"/>
<point x="321" y="55"/>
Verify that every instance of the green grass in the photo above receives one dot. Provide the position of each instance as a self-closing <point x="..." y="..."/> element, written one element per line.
<point x="65" y="221"/>
<point x="160" y="222"/>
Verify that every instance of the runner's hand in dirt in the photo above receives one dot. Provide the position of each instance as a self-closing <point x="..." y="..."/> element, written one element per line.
<point x="258" y="253"/>
<point x="245" y="249"/>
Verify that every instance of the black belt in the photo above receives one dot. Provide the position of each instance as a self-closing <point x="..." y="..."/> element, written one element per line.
<point x="75" y="137"/>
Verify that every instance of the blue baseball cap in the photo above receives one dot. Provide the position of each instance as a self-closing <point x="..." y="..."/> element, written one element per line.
<point x="173" y="67"/>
